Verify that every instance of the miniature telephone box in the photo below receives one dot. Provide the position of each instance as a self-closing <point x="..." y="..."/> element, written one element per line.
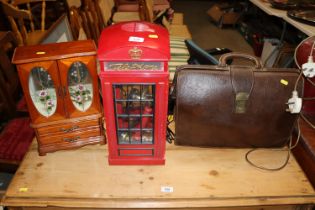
<point x="134" y="75"/>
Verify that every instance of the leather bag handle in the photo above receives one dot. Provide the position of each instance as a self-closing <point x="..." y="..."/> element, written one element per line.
<point x="227" y="56"/>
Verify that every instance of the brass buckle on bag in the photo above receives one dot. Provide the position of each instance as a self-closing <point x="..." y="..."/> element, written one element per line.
<point x="242" y="83"/>
<point x="241" y="99"/>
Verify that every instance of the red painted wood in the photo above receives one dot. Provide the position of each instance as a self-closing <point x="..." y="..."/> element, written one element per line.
<point x="116" y="44"/>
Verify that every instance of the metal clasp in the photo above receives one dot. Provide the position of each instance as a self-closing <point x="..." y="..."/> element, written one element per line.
<point x="241" y="99"/>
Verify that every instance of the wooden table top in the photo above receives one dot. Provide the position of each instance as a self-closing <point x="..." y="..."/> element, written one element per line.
<point x="191" y="177"/>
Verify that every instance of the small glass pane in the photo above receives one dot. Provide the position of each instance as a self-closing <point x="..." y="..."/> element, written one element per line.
<point x="42" y="91"/>
<point x="123" y="123"/>
<point x="134" y="122"/>
<point x="135" y="137"/>
<point x="121" y="91"/>
<point x="123" y="137"/>
<point x="147" y="108"/>
<point x="80" y="86"/>
<point x="121" y="108"/>
<point x="146" y="92"/>
<point x="147" y="137"/>
<point x="147" y="122"/>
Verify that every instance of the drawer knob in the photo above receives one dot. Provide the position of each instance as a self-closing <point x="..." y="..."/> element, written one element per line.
<point x="67" y="130"/>
<point x="70" y="140"/>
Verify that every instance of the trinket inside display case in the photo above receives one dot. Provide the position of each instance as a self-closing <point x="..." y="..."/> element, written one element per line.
<point x="134" y="75"/>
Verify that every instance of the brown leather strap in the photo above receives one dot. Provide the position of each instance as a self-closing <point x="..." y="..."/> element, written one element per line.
<point x="242" y="83"/>
<point x="227" y="56"/>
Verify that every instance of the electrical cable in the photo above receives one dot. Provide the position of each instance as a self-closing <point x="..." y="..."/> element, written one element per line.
<point x="289" y="148"/>
<point x="313" y="45"/>
<point x="290" y="141"/>
<point x="297" y="81"/>
<point x="265" y="168"/>
<point x="309" y="98"/>
<point x="309" y="80"/>
<point x="295" y="52"/>
<point x="307" y="121"/>
<point x="311" y="54"/>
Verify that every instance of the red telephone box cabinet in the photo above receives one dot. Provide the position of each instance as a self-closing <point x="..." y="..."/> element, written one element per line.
<point x="134" y="75"/>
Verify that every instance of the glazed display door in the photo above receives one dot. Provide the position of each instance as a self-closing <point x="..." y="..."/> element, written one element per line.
<point x="41" y="85"/>
<point x="134" y="118"/>
<point x="79" y="86"/>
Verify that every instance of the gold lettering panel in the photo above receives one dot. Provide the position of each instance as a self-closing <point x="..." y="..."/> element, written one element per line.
<point x="132" y="66"/>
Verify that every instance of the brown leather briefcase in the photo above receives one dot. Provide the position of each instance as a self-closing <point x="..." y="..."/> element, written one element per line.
<point x="234" y="106"/>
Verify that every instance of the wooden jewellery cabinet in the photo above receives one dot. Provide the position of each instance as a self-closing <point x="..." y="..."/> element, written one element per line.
<point x="60" y="85"/>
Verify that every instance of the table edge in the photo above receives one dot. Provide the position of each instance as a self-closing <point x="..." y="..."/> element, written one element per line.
<point x="158" y="203"/>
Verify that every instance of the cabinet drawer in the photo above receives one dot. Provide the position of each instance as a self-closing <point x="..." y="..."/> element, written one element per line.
<point x="72" y="137"/>
<point x="67" y="127"/>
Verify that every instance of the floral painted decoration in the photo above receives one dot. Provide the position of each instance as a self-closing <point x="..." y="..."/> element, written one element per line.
<point x="46" y="100"/>
<point x="80" y="86"/>
<point x="80" y="94"/>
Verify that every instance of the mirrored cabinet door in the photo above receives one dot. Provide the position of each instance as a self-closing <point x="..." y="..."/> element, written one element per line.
<point x="42" y="85"/>
<point x="80" y="85"/>
<point x="42" y="91"/>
